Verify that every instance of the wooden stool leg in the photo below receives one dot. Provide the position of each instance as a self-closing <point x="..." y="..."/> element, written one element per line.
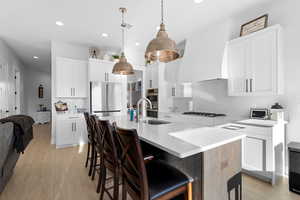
<point x="103" y="181"/>
<point x="92" y="160"/>
<point x="237" y="193"/>
<point x="95" y="162"/>
<point x="88" y="155"/>
<point x="116" y="185"/>
<point x="99" y="181"/>
<point x="124" y="191"/>
<point x="189" y="192"/>
<point x="241" y="192"/>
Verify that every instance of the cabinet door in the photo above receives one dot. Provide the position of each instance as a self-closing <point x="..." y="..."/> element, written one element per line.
<point x="172" y="70"/>
<point x="155" y="79"/>
<point x="98" y="69"/>
<point x="254" y="154"/>
<point x="64" y="78"/>
<point x="65" y="131"/>
<point x="81" y="132"/>
<point x="263" y="63"/>
<point x="79" y="79"/>
<point x="148" y="80"/>
<point x="237" y="68"/>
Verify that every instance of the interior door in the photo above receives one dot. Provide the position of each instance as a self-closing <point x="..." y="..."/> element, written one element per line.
<point x="237" y="67"/>
<point x="11" y="90"/>
<point x="263" y="63"/>
<point x="254" y="154"/>
<point x="2" y="91"/>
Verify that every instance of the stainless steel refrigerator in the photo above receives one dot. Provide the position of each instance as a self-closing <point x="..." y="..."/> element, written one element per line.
<point x="106" y="98"/>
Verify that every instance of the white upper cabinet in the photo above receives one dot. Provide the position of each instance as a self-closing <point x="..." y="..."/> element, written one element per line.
<point x="101" y="70"/>
<point x="152" y="76"/>
<point x="172" y="71"/>
<point x="204" y="55"/>
<point x="71" y="78"/>
<point x="254" y="66"/>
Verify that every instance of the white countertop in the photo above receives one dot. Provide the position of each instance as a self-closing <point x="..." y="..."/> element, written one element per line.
<point x="194" y="139"/>
<point x="260" y="122"/>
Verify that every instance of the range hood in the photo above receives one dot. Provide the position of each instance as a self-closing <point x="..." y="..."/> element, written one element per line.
<point x="205" y="54"/>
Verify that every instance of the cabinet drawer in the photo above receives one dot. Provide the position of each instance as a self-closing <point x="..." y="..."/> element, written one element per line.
<point x="257" y="131"/>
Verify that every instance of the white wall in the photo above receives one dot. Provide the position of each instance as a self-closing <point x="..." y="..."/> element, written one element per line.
<point x="212" y="95"/>
<point x="33" y="79"/>
<point x="7" y="56"/>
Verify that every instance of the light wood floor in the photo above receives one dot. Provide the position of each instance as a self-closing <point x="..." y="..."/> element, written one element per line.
<point x="47" y="173"/>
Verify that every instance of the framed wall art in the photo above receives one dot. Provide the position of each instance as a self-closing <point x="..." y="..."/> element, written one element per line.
<point x="254" y="25"/>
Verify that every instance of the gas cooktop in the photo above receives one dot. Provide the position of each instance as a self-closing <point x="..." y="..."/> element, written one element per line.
<point x="204" y="114"/>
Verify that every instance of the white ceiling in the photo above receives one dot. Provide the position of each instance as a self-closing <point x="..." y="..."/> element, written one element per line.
<point x="28" y="26"/>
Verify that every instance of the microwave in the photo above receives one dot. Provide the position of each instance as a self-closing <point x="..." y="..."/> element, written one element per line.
<point x="259" y="113"/>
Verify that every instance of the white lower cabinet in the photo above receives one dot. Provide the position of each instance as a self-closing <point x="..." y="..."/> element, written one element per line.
<point x="254" y="153"/>
<point x="263" y="149"/>
<point x="70" y="131"/>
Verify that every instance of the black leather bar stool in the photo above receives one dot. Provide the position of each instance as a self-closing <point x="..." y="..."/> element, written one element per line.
<point x="154" y="180"/>
<point x="235" y="183"/>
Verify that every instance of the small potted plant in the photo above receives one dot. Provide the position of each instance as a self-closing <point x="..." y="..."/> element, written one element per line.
<point x="115" y="58"/>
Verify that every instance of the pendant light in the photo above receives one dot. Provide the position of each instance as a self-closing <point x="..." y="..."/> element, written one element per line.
<point x="123" y="67"/>
<point x="162" y="47"/>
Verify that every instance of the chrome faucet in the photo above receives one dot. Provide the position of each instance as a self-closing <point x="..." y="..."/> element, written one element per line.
<point x="138" y="107"/>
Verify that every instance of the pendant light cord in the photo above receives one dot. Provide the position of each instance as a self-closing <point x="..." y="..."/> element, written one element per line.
<point x="123" y="33"/>
<point x="162" y="11"/>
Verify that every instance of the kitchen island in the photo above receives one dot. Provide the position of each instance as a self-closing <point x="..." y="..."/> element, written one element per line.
<point x="210" y="156"/>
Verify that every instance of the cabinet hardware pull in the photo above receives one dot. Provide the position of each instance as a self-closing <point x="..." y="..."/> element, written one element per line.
<point x="246" y="85"/>
<point x="150" y="84"/>
<point x="72" y="126"/>
<point x="75" y="127"/>
<point x="251" y="81"/>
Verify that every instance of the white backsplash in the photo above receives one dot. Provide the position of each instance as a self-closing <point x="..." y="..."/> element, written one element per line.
<point x="74" y="103"/>
<point x="211" y="96"/>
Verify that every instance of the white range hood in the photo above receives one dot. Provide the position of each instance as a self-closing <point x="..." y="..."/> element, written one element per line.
<point x="204" y="57"/>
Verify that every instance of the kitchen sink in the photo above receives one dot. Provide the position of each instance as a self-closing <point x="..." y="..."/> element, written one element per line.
<point x="156" y="122"/>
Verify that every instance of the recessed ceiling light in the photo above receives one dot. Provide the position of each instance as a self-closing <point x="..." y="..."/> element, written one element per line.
<point x="104" y="35"/>
<point x="137" y="44"/>
<point x="198" y="1"/>
<point x="35" y="57"/>
<point x="59" y="23"/>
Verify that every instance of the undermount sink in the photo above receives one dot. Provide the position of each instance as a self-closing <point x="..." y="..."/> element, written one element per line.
<point x="156" y="122"/>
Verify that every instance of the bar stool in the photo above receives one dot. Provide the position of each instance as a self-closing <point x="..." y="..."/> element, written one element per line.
<point x="154" y="180"/>
<point x="109" y="160"/>
<point x="235" y="183"/>
<point x="91" y="145"/>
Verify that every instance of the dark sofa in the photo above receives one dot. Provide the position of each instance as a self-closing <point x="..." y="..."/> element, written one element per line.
<point x="15" y="135"/>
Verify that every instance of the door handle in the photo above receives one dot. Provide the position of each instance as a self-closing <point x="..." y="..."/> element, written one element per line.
<point x="246" y="85"/>
<point x="251" y="81"/>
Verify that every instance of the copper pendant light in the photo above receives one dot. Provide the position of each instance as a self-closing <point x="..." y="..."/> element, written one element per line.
<point x="162" y="47"/>
<point x="123" y="67"/>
